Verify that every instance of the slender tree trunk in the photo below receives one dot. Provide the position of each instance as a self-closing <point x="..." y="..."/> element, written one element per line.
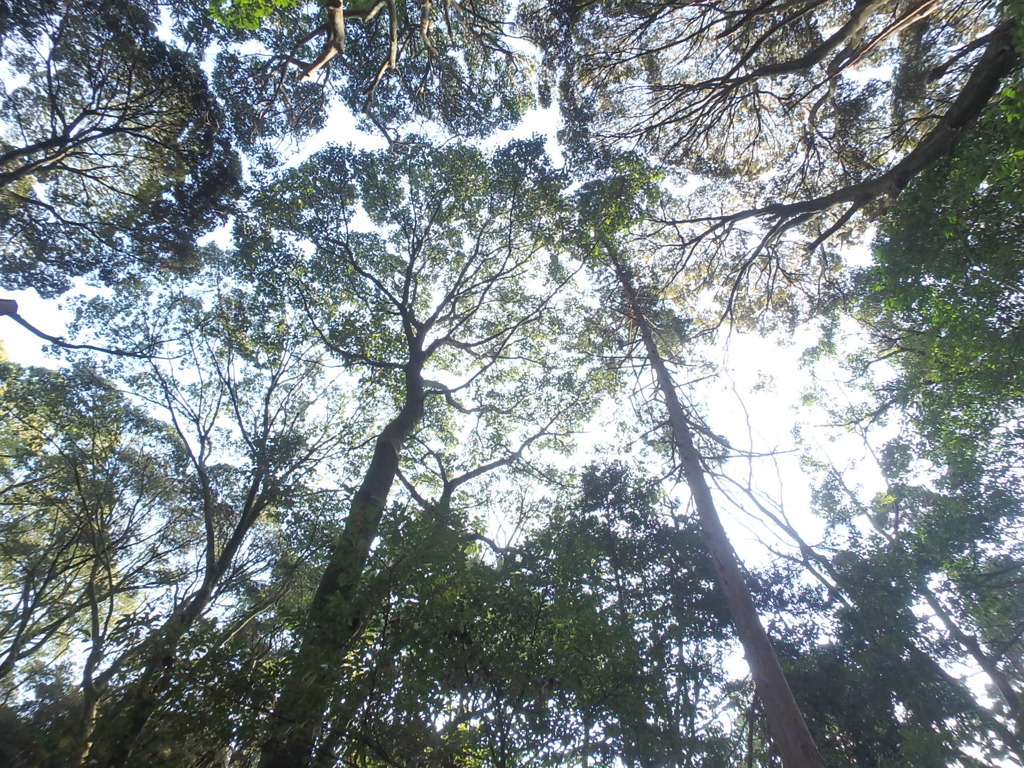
<point x="787" y="726"/>
<point x="90" y="708"/>
<point x="988" y="664"/>
<point x="585" y="758"/>
<point x="333" y="618"/>
<point x="117" y="733"/>
<point x="90" y="691"/>
<point x="751" y="714"/>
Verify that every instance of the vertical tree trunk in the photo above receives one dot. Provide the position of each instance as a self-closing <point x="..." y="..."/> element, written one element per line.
<point x="90" y="693"/>
<point x="117" y="733"/>
<point x="750" y="734"/>
<point x="787" y="726"/>
<point x="333" y="614"/>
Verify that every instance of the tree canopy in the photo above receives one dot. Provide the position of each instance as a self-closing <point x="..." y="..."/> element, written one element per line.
<point x="113" y="154"/>
<point x="416" y="455"/>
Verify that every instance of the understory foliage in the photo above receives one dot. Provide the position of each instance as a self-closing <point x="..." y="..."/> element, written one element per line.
<point x="379" y="438"/>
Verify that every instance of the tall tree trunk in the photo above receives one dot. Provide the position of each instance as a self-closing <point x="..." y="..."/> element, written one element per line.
<point x="787" y="726"/>
<point x="118" y="731"/>
<point x="333" y="617"/>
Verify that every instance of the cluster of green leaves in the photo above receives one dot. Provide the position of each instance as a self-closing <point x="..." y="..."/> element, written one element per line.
<point x="943" y="302"/>
<point x="91" y="516"/>
<point x="941" y="305"/>
<point x="113" y="153"/>
<point x="453" y="67"/>
<point x="246" y="14"/>
<point x="573" y="643"/>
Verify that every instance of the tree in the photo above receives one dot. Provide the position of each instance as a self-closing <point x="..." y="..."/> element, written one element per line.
<point x="937" y="307"/>
<point x="738" y="90"/>
<point x="776" y="112"/>
<point x="578" y="644"/>
<point x="788" y="729"/>
<point x="113" y="155"/>
<point x="90" y="520"/>
<point x="448" y="305"/>
<point x="613" y="209"/>
<point x="241" y="442"/>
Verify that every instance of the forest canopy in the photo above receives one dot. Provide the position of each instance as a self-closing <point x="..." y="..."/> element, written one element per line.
<point x="385" y="432"/>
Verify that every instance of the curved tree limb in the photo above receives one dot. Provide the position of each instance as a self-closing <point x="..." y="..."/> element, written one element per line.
<point x="9" y="307"/>
<point x="999" y="60"/>
<point x="334" y="42"/>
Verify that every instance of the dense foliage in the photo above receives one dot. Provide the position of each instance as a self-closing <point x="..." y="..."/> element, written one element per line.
<point x="408" y="456"/>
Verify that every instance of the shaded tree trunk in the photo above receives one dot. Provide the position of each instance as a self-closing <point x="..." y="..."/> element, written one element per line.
<point x="334" y="618"/>
<point x="788" y="729"/>
<point x="117" y="732"/>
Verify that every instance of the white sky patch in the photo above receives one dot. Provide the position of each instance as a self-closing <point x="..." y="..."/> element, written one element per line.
<point x="9" y="78"/>
<point x="536" y="122"/>
<point x="753" y="402"/>
<point x="220" y="235"/>
<point x="866" y="74"/>
<point x="859" y="255"/>
<point x="342" y="129"/>
<point x="163" y="30"/>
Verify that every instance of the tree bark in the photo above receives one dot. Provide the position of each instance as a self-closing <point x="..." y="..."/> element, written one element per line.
<point x="787" y="726"/>
<point x="117" y="732"/>
<point x="333" y="618"/>
<point x="334" y="42"/>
